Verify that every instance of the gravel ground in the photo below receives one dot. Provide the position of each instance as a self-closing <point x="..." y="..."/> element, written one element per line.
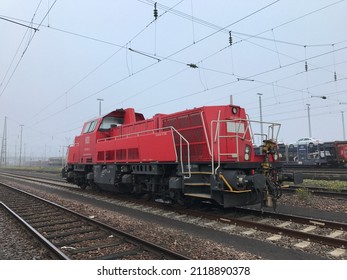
<point x="316" y="202"/>
<point x="175" y="239"/>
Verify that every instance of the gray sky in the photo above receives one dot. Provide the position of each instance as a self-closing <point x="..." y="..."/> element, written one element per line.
<point x="114" y="50"/>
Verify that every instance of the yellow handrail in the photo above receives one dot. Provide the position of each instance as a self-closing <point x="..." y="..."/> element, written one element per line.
<point x="230" y="187"/>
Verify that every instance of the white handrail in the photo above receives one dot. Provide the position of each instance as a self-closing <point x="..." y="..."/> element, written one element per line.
<point x="238" y="134"/>
<point x="181" y="153"/>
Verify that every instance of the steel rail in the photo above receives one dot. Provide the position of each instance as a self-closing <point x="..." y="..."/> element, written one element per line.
<point x="44" y="241"/>
<point x="274" y="229"/>
<point x="148" y="246"/>
<point x="336" y="242"/>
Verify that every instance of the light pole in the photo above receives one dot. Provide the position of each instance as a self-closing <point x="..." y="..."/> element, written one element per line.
<point x="20" y="147"/>
<point x="343" y="121"/>
<point x="261" y="117"/>
<point x="308" y="113"/>
<point x="343" y="126"/>
<point x="309" y="120"/>
<point x="3" y="155"/>
<point x="99" y="99"/>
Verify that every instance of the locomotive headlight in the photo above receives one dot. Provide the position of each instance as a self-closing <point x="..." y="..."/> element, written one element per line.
<point x="247" y="152"/>
<point x="234" y="110"/>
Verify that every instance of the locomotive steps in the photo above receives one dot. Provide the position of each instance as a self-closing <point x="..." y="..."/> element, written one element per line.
<point x="198" y="185"/>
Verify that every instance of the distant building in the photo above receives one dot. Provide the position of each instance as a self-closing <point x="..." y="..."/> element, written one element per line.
<point x="55" y="161"/>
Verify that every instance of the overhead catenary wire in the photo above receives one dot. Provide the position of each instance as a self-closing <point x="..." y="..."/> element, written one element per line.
<point x="200" y="66"/>
<point x="335" y="75"/>
<point x="18" y="23"/>
<point x="10" y="66"/>
<point x="193" y="28"/>
<point x="120" y="47"/>
<point x="278" y="55"/>
<point x="258" y="37"/>
<point x="155" y="13"/>
<point x="225" y="28"/>
<point x="249" y="36"/>
<point x="184" y="96"/>
<point x="192" y="94"/>
<point x="231" y="82"/>
<point x="165" y="58"/>
<point x="27" y="46"/>
<point x="179" y="98"/>
<point x="220" y="28"/>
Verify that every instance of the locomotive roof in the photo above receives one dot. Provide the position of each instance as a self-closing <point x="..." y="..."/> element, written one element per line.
<point x="140" y="115"/>
<point x="129" y="115"/>
<point x="112" y="113"/>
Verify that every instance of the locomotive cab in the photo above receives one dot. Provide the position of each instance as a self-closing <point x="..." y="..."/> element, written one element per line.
<point x="119" y="117"/>
<point x="82" y="154"/>
<point x="99" y="128"/>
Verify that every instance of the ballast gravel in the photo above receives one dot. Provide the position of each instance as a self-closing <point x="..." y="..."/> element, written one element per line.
<point x="17" y="243"/>
<point x="174" y="239"/>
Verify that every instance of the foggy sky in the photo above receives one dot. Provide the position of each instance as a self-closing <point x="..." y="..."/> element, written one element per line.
<point x="114" y="50"/>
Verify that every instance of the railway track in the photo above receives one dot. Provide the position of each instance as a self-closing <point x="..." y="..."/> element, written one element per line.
<point x="291" y="188"/>
<point x="73" y="236"/>
<point x="53" y="251"/>
<point x="306" y="231"/>
<point x="319" y="173"/>
<point x="327" y="232"/>
<point x="302" y="231"/>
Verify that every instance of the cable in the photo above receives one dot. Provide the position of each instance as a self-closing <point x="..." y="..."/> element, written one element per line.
<point x="32" y="37"/>
<point x="15" y="22"/>
<point x="225" y="30"/>
<point x="248" y="77"/>
<point x="29" y="41"/>
<point x="192" y="94"/>
<point x="10" y="66"/>
<point x="153" y="64"/>
<point x="124" y="46"/>
<point x="166" y="58"/>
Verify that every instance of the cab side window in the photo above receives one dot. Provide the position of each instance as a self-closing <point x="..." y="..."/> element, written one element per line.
<point x="109" y="122"/>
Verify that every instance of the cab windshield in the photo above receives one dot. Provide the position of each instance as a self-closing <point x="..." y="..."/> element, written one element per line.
<point x="89" y="127"/>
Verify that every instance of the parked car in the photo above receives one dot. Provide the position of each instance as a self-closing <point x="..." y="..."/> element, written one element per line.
<point x="308" y="140"/>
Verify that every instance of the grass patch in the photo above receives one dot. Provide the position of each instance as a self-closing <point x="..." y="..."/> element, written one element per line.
<point x="333" y="185"/>
<point x="303" y="194"/>
<point x="47" y="169"/>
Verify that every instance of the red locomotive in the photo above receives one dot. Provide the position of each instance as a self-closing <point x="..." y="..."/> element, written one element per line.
<point x="204" y="153"/>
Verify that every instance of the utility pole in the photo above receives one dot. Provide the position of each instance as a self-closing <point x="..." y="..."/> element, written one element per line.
<point x="99" y="99"/>
<point x="20" y="145"/>
<point x="261" y="117"/>
<point x="3" y="156"/>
